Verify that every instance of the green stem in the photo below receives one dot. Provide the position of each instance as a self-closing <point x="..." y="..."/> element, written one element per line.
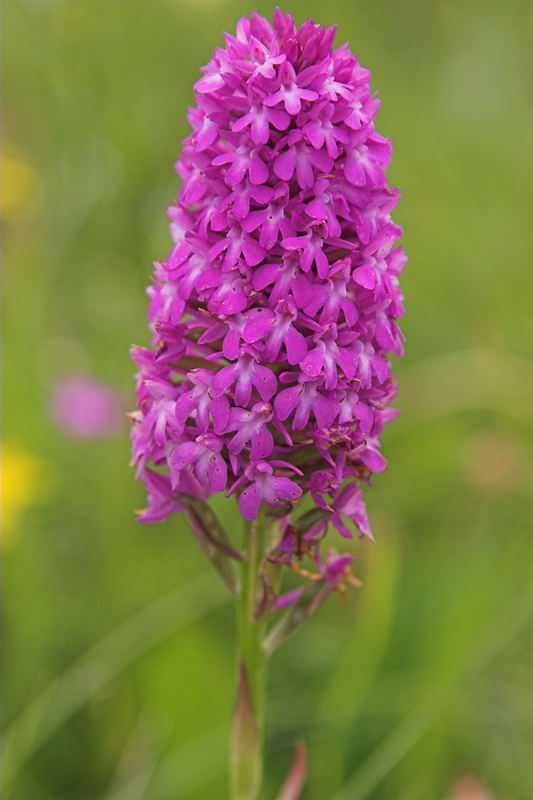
<point x="246" y="761"/>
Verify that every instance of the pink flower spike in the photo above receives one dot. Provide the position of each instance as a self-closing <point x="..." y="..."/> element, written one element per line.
<point x="274" y="317"/>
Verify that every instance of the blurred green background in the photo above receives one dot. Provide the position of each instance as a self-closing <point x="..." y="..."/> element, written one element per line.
<point x="118" y="663"/>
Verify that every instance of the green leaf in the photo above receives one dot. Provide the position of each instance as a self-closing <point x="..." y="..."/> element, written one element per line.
<point x="213" y="539"/>
<point x="311" y="598"/>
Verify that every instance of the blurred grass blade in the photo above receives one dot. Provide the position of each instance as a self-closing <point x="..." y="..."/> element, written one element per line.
<point x="397" y="744"/>
<point x="475" y="379"/>
<point x="138" y="760"/>
<point x="104" y="661"/>
<point x="357" y="666"/>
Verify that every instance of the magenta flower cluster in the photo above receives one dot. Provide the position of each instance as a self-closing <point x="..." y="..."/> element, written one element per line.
<point x="275" y="310"/>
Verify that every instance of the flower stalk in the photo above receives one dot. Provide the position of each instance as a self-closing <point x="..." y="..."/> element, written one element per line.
<point x="247" y="740"/>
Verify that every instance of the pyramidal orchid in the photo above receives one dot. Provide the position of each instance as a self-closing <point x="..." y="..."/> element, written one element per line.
<point x="273" y="318"/>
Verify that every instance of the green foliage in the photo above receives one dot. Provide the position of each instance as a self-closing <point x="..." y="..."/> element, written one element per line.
<point x="118" y="672"/>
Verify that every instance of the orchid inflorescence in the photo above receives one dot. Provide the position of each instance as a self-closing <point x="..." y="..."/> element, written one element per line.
<point x="275" y="310"/>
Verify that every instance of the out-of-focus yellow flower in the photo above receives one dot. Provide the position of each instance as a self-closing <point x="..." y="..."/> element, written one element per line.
<point x="23" y="482"/>
<point x="19" y="186"/>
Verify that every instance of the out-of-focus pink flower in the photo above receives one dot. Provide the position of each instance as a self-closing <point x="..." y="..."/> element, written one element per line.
<point x="81" y="406"/>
